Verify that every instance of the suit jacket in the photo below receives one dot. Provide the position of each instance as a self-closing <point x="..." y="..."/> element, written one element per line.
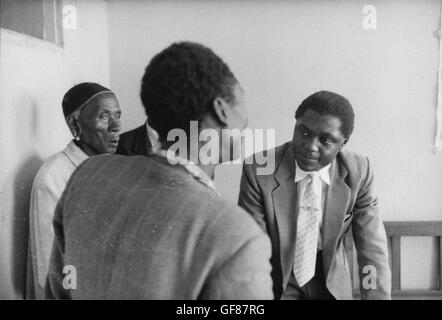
<point x="351" y="205"/>
<point x="139" y="228"/>
<point x="134" y="142"/>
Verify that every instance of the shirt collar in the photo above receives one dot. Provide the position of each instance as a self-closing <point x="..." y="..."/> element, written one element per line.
<point x="324" y="173"/>
<point x="75" y="154"/>
<point x="153" y="137"/>
<point x="195" y="171"/>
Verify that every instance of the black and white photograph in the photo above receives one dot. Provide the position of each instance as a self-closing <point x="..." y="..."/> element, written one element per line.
<point x="224" y="150"/>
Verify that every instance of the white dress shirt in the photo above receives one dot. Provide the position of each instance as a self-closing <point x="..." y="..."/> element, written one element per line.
<point x="300" y="181"/>
<point x="49" y="184"/>
<point x="153" y="137"/>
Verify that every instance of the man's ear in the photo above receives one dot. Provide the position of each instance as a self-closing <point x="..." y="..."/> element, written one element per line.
<point x="73" y="126"/>
<point x="221" y="110"/>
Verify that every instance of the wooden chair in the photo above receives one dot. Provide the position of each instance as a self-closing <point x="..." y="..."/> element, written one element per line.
<point x="395" y="230"/>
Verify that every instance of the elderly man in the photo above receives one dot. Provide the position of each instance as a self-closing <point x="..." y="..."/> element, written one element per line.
<point x="92" y="113"/>
<point x="316" y="195"/>
<point x="154" y="227"/>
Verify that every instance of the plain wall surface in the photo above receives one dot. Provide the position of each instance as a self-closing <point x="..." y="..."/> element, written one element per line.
<point x="34" y="75"/>
<point x="283" y="51"/>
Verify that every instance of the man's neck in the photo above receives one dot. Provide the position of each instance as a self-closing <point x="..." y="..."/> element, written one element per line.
<point x="86" y="149"/>
<point x="208" y="169"/>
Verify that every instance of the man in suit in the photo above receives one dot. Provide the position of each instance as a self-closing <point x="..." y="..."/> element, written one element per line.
<point x="138" y="141"/>
<point x="155" y="227"/>
<point x="315" y="196"/>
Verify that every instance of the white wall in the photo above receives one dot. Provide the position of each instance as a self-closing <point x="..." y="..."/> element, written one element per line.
<point x="282" y="51"/>
<point x="34" y="75"/>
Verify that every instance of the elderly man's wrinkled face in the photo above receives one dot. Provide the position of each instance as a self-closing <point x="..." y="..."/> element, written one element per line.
<point x="100" y="125"/>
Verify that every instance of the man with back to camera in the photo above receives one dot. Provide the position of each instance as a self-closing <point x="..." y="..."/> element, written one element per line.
<point x="92" y="113"/>
<point x="316" y="195"/>
<point x="154" y="227"/>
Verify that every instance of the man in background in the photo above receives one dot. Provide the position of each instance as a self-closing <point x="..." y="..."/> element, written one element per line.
<point x="92" y="113"/>
<point x="316" y="195"/>
<point x="155" y="227"/>
<point x="142" y="140"/>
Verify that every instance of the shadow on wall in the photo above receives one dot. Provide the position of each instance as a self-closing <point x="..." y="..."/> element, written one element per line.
<point x="20" y="223"/>
<point x="21" y="188"/>
<point x="21" y="162"/>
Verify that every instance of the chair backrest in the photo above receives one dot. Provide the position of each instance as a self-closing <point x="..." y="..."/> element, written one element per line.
<point x="395" y="231"/>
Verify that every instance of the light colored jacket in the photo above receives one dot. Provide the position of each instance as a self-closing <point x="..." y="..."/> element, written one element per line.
<point x="351" y="204"/>
<point x="48" y="185"/>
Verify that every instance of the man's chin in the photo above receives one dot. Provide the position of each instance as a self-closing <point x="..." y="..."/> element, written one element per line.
<point x="308" y="165"/>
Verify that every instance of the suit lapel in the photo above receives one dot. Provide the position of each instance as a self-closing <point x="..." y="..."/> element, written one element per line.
<point x="284" y="203"/>
<point x="337" y="201"/>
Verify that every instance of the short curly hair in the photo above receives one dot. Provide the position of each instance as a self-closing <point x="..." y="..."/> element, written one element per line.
<point x="180" y="84"/>
<point x="330" y="103"/>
